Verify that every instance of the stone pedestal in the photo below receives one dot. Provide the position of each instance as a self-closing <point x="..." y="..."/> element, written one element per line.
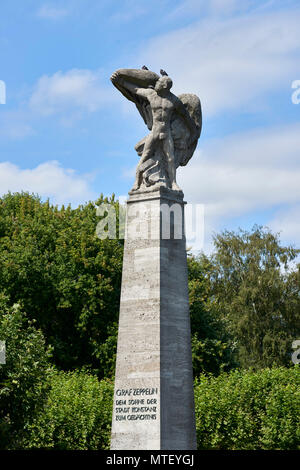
<point x="153" y="398"/>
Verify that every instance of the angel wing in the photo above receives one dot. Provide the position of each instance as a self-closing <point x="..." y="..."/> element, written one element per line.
<point x="183" y="145"/>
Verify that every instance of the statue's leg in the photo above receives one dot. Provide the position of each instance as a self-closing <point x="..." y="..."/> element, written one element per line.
<point x="147" y="152"/>
<point x="168" y="148"/>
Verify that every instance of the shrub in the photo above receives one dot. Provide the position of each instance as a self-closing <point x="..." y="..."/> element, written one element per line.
<point x="249" y="410"/>
<point x="23" y="379"/>
<point x="77" y="415"/>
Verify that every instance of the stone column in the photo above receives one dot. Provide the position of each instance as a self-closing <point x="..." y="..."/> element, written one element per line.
<point x="153" y="397"/>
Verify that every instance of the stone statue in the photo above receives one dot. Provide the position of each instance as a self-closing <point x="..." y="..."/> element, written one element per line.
<point x="175" y="125"/>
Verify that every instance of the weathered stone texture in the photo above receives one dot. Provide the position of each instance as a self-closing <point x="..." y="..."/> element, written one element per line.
<point x="154" y="350"/>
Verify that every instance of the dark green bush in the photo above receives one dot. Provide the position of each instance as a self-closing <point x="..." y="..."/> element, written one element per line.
<point x="249" y="410"/>
<point x="77" y="415"/>
<point x="23" y="379"/>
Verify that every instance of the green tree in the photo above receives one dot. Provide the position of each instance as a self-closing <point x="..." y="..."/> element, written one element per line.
<point x="23" y="378"/>
<point x="257" y="295"/>
<point x="212" y="348"/>
<point x="68" y="279"/>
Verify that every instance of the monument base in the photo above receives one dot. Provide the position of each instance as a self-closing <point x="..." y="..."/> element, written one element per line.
<point x="153" y="397"/>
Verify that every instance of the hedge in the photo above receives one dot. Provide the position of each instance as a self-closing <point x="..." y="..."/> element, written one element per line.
<point x="236" y="410"/>
<point x="77" y="415"/>
<point x="249" y="410"/>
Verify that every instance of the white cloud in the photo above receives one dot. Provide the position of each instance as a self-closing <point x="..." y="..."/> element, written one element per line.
<point x="230" y="62"/>
<point x="51" y="12"/>
<point x="16" y="131"/>
<point x="48" y="179"/>
<point x="287" y="221"/>
<point x="212" y="7"/>
<point x="68" y="95"/>
<point x="225" y="6"/>
<point x="76" y="89"/>
<point x="15" y="125"/>
<point x="128" y="11"/>
<point x="244" y="173"/>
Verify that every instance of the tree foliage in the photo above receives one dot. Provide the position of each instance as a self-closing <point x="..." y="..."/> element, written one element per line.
<point x="66" y="277"/>
<point x="23" y="378"/>
<point x="256" y="294"/>
<point x="249" y="410"/>
<point x="212" y="348"/>
<point x="76" y="416"/>
<point x="236" y="410"/>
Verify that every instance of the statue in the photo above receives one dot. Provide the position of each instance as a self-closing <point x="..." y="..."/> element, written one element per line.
<point x="175" y="125"/>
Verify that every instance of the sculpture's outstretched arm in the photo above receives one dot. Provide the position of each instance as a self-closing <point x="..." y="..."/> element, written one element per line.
<point x="134" y="89"/>
<point x="115" y="78"/>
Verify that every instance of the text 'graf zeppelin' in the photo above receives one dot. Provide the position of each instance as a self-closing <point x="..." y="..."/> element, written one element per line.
<point x="136" y="404"/>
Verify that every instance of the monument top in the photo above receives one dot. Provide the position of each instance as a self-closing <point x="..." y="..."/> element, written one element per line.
<point x="174" y="124"/>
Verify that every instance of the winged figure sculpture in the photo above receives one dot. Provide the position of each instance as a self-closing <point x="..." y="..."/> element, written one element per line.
<point x="174" y="124"/>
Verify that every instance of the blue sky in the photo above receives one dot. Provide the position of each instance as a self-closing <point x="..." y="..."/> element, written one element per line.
<point x="67" y="134"/>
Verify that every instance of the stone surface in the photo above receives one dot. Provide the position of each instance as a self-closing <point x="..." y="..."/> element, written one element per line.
<point x="174" y="123"/>
<point x="153" y="397"/>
